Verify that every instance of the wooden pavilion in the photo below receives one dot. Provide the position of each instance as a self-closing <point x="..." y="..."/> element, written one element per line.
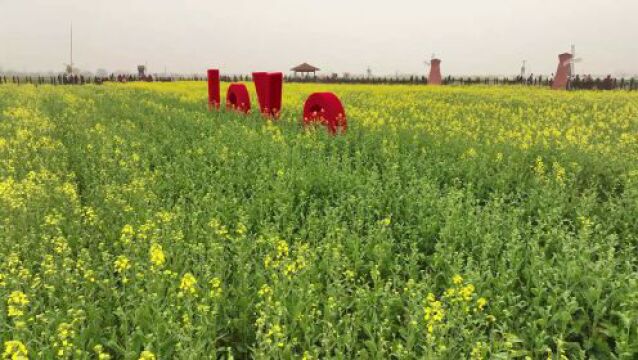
<point x="305" y="68"/>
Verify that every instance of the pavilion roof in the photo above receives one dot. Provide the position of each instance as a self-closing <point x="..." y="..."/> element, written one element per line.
<point x="305" y="67"/>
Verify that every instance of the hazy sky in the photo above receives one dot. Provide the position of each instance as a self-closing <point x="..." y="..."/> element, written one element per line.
<point x="239" y="36"/>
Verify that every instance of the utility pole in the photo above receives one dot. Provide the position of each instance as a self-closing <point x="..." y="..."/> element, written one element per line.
<point x="71" y="64"/>
<point x="572" y="65"/>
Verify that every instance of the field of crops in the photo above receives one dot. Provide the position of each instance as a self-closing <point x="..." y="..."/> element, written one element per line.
<point x="448" y="223"/>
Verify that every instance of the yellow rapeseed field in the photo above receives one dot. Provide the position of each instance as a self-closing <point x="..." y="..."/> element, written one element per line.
<point x="447" y="223"/>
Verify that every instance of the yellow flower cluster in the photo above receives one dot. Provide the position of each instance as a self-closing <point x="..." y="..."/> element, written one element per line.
<point x="157" y="256"/>
<point x="463" y="293"/>
<point x="15" y="350"/>
<point x="539" y="167"/>
<point x="275" y="335"/>
<point x="16" y="303"/>
<point x="127" y="234"/>
<point x="458" y="297"/>
<point x="559" y="173"/>
<point x="101" y="354"/>
<point x="480" y="303"/>
<point x="147" y="355"/>
<point x="215" y="288"/>
<point x="219" y="229"/>
<point x="478" y="351"/>
<point x="122" y="263"/>
<point x="188" y="285"/>
<point x="434" y="313"/>
<point x="282" y="261"/>
<point x="64" y="344"/>
<point x="265" y="291"/>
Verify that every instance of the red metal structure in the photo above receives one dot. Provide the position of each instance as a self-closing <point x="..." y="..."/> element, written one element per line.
<point x="213" y="89"/>
<point x="237" y="98"/>
<point x="563" y="72"/>
<point x="269" y="91"/>
<point x="325" y="108"/>
<point x="435" y="73"/>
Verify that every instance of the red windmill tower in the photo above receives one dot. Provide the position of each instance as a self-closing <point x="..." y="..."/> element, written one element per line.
<point x="566" y="69"/>
<point x="435" y="71"/>
<point x="563" y="72"/>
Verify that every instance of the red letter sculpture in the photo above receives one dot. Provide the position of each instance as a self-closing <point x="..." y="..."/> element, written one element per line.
<point x="260" y="79"/>
<point x="562" y="73"/>
<point x="435" y="72"/>
<point x="213" y="89"/>
<point x="269" y="92"/>
<point x="327" y="109"/>
<point x="237" y="98"/>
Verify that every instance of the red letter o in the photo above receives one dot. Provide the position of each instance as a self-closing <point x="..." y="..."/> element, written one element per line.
<point x="326" y="108"/>
<point x="237" y="98"/>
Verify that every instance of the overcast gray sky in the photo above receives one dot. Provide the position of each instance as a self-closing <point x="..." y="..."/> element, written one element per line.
<point x="238" y="36"/>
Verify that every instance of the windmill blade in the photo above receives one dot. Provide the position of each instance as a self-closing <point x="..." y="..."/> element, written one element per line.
<point x="578" y="60"/>
<point x="429" y="63"/>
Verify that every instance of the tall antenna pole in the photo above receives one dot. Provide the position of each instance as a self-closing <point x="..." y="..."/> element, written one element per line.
<point x="572" y="63"/>
<point x="71" y="64"/>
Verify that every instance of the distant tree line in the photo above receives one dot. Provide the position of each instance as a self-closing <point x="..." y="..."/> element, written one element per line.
<point x="579" y="82"/>
<point x="68" y="79"/>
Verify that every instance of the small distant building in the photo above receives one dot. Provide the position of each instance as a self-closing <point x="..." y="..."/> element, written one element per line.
<point x="141" y="71"/>
<point x="305" y="68"/>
